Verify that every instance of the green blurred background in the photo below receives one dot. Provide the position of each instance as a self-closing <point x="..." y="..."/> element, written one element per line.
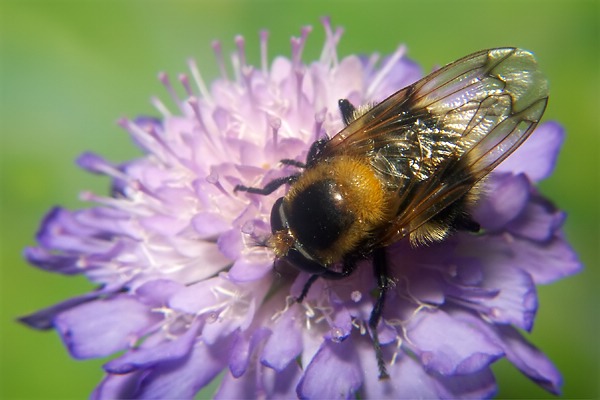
<point x="69" y="69"/>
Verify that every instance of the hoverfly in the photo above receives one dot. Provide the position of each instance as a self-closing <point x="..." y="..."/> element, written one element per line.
<point x="407" y="168"/>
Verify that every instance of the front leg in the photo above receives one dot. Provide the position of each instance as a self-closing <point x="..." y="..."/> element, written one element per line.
<point x="348" y="268"/>
<point x="269" y="187"/>
<point x="293" y="163"/>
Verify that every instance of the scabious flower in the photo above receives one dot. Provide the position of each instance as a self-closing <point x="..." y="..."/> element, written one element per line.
<point x="184" y="291"/>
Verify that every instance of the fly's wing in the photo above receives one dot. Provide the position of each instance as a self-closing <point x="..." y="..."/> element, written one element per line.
<point x="432" y="141"/>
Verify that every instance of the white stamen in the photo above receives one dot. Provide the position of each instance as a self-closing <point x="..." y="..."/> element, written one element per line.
<point x="216" y="45"/>
<point x="289" y="301"/>
<point x="160" y="107"/>
<point x="385" y="70"/>
<point x="298" y="46"/>
<point x="164" y="78"/>
<point x="240" y="43"/>
<point x="199" y="81"/>
<point x="275" y="124"/>
<point x="397" y="350"/>
<point x="264" y="60"/>
<point x="329" y="52"/>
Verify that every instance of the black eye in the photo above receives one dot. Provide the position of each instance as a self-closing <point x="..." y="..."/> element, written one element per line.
<point x="318" y="216"/>
<point x="276" y="222"/>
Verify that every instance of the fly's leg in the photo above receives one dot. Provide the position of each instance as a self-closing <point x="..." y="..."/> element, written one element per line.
<point x="269" y="187"/>
<point x="348" y="268"/>
<point x="306" y="288"/>
<point x="293" y="163"/>
<point x="380" y="269"/>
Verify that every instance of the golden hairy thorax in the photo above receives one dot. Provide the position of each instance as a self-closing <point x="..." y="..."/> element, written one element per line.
<point x="361" y="195"/>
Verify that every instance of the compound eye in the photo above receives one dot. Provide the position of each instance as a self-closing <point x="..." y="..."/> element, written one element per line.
<point x="276" y="211"/>
<point x="318" y="216"/>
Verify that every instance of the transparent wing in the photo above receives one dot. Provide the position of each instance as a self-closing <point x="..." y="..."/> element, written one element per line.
<point x="432" y="141"/>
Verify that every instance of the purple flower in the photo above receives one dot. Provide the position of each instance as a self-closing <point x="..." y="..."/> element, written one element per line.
<point x="184" y="291"/>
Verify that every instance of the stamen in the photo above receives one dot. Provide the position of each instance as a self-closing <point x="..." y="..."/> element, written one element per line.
<point x="308" y="310"/>
<point x="275" y="124"/>
<point x="195" y="105"/>
<point x="235" y="63"/>
<point x="185" y="82"/>
<point x="372" y="62"/>
<point x="295" y="42"/>
<point x="98" y="165"/>
<point x="360" y="325"/>
<point x="240" y="43"/>
<point x="213" y="179"/>
<point x="152" y="141"/>
<point x="199" y="81"/>
<point x="479" y="307"/>
<point x="329" y="52"/>
<point x="264" y="60"/>
<point x="224" y="301"/>
<point x="289" y="301"/>
<point x="179" y="159"/>
<point x="298" y="46"/>
<point x="319" y="120"/>
<point x="164" y="78"/>
<point x="160" y="107"/>
<point x="164" y="310"/>
<point x="216" y="45"/>
<point x="412" y="298"/>
<point x="385" y="70"/>
<point x="233" y="294"/>
<point x="339" y="31"/>
<point x="299" y="73"/>
<point x="142" y="137"/>
<point x="326" y="313"/>
<point x="397" y="350"/>
<point x="247" y="79"/>
<point x="113" y="202"/>
<point x="402" y="324"/>
<point x="309" y="313"/>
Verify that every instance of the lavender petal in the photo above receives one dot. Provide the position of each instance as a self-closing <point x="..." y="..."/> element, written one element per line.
<point x="449" y="347"/>
<point x="116" y="324"/>
<point x="285" y="344"/>
<point x="333" y="373"/>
